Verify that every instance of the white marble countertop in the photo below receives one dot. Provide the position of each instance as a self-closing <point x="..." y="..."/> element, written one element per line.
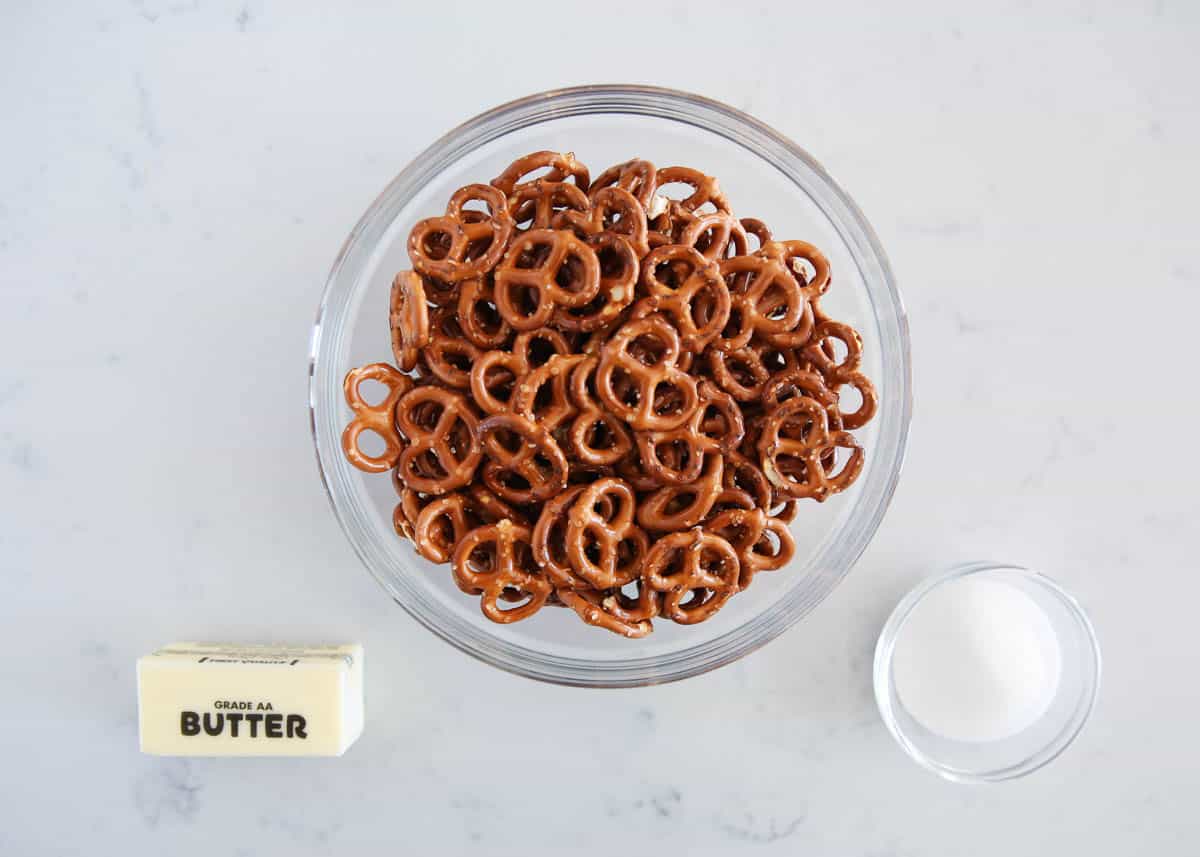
<point x="176" y="179"/>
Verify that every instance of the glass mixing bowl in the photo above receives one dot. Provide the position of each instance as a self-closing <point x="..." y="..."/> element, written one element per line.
<point x="765" y="175"/>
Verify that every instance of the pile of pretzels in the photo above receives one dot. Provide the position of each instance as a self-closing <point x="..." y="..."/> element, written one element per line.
<point x="607" y="398"/>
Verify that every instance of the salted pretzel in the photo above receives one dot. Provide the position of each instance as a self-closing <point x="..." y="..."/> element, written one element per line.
<point x="549" y="541"/>
<point x="619" y="355"/>
<point x="538" y="262"/>
<point x="618" y="265"/>
<point x="449" y="354"/>
<point x="539" y="204"/>
<point x="441" y="525"/>
<point x="807" y="265"/>
<point x="740" y="373"/>
<point x="715" y="235"/>
<point x="730" y="498"/>
<point x="741" y="472"/>
<point x="603" y="608"/>
<point x="614" y="211"/>
<point x="590" y="530"/>
<point x="706" y="190"/>
<point x="805" y="448"/>
<point x="766" y="299"/>
<point x="456" y="246"/>
<point x="520" y="451"/>
<point x="637" y="177"/>
<point x="673" y="457"/>
<point x="442" y="452"/>
<point x="562" y="166"/>
<point x="868" y="399"/>
<point x="493" y="379"/>
<point x="534" y="347"/>
<point x="685" y="286"/>
<point x="490" y="508"/>
<point x="721" y="419"/>
<point x="762" y="543"/>
<point x="796" y="382"/>
<point x="697" y="572"/>
<point x="672" y="508"/>
<point x="409" y="319"/>
<point x="595" y="437"/>
<point x="408" y="510"/>
<point x="478" y="317"/>
<point x="529" y="400"/>
<point x="820" y="352"/>
<point x="676" y="456"/>
<point x="495" y="562"/>
<point x="379" y="418"/>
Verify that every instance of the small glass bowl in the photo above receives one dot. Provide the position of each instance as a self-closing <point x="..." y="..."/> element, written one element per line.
<point x="1040" y="742"/>
<point x="765" y="175"/>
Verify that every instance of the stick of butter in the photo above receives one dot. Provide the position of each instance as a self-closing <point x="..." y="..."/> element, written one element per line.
<point x="223" y="699"/>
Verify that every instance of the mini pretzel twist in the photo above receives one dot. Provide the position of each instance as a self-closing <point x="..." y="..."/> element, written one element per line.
<point x="478" y="317"/>
<point x="588" y="530"/>
<point x="602" y="609"/>
<point x="562" y="165"/>
<point x="380" y="418"/>
<point x="869" y="399"/>
<point x="695" y="298"/>
<point x="442" y="453"/>
<point x="766" y="299"/>
<point x="717" y="236"/>
<point x="677" y="507"/>
<point x="820" y="352"/>
<point x="558" y="407"/>
<point x="490" y="508"/>
<point x="534" y="347"/>
<point x="618" y="279"/>
<point x="519" y="451"/>
<point x="687" y="445"/>
<point x="440" y="526"/>
<point x="742" y="473"/>
<point x="755" y="228"/>
<point x="749" y="532"/>
<point x="495" y="562"/>
<point x="536" y="262"/>
<point x="449" y="354"/>
<point x="539" y="204"/>
<point x="409" y="319"/>
<point x="721" y="419"/>
<point x="646" y="378"/>
<point x="550" y="539"/>
<point x="740" y="373"/>
<point x="614" y="211"/>
<point x="804" y="447"/>
<point x="457" y="246"/>
<point x="696" y="570"/>
<point x="796" y="382"/>
<point x="706" y="190"/>
<point x="807" y="265"/>
<point x="595" y="437"/>
<point x="637" y="177"/>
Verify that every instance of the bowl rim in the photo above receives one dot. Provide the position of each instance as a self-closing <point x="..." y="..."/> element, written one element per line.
<point x="881" y="675"/>
<point x="787" y="157"/>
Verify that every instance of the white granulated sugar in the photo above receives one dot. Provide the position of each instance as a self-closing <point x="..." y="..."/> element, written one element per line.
<point x="976" y="660"/>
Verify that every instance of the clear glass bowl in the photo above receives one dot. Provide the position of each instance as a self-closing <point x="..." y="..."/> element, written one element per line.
<point x="765" y="175"/>
<point x="1040" y="742"/>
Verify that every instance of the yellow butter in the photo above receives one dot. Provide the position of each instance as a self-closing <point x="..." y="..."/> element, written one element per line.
<point x="222" y="699"/>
